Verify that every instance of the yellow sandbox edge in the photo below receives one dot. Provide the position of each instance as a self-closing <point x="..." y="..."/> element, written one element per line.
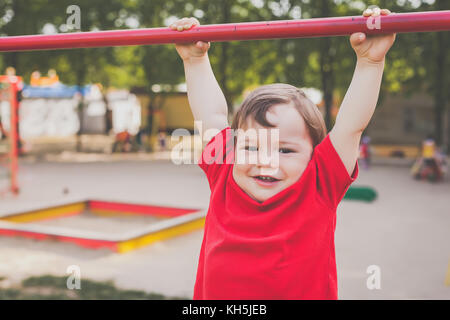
<point x="132" y="244"/>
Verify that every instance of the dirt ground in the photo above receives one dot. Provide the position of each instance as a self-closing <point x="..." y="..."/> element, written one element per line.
<point x="111" y="225"/>
<point x="405" y="232"/>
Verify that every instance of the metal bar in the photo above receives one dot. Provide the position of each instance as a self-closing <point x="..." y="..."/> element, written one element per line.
<point x="318" y="27"/>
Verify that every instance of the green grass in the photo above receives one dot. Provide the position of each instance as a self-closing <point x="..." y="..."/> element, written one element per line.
<point x="50" y="287"/>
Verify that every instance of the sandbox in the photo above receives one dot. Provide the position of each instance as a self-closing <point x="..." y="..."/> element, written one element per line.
<point x="95" y="224"/>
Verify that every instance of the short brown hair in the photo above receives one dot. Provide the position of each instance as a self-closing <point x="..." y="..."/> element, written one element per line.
<point x="259" y="101"/>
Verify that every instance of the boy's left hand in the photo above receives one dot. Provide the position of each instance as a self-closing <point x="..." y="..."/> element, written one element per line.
<point x="372" y="49"/>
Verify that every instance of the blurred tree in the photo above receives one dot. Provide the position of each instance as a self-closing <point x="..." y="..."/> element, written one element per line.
<point x="73" y="66"/>
<point x="85" y="64"/>
<point x="21" y="17"/>
<point x="327" y="55"/>
<point x="440" y="81"/>
<point x="234" y="62"/>
<point x="162" y="69"/>
<point x="417" y="62"/>
<point x="311" y="62"/>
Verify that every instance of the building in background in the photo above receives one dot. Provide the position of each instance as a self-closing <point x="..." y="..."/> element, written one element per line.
<point x="400" y="120"/>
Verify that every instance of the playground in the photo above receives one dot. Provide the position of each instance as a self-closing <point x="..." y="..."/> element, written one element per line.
<point x="106" y="178"/>
<point x="404" y="231"/>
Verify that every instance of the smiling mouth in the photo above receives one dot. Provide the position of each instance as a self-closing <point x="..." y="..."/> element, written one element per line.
<point x="266" y="179"/>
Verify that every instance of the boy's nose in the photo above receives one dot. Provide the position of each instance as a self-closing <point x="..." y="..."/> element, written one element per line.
<point x="268" y="170"/>
<point x="265" y="160"/>
<point x="268" y="159"/>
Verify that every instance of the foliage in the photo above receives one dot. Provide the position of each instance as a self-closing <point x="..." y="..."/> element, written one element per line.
<point x="416" y="62"/>
<point x="49" y="287"/>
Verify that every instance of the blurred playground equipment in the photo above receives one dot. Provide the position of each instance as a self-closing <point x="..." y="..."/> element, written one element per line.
<point x="10" y="85"/>
<point x="395" y="151"/>
<point x="365" y="152"/>
<point x="52" y="111"/>
<point x="55" y="110"/>
<point x="360" y="193"/>
<point x="431" y="165"/>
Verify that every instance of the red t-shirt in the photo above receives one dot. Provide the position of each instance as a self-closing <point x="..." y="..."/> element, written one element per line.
<point x="282" y="248"/>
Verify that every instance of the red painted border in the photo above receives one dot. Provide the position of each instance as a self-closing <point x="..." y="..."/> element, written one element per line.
<point x="138" y="208"/>
<point x="87" y="243"/>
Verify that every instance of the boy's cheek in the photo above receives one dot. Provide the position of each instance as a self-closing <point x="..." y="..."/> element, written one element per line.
<point x="244" y="157"/>
<point x="241" y="169"/>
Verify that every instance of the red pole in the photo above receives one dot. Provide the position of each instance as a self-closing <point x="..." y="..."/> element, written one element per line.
<point x="319" y="27"/>
<point x="14" y="138"/>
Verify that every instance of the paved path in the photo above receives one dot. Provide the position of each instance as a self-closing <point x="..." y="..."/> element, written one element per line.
<point x="406" y="232"/>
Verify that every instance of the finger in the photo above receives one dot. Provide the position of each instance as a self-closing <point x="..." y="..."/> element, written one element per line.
<point x="189" y="22"/>
<point x="176" y="24"/>
<point x="385" y="12"/>
<point x="195" y="21"/>
<point x="357" y="38"/>
<point x="376" y="12"/>
<point x="367" y="12"/>
<point x="202" y="45"/>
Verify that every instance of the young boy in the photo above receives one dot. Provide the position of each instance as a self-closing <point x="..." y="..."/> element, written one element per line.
<point x="271" y="235"/>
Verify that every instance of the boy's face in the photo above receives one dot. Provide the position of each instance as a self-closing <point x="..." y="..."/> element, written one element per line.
<point x="262" y="180"/>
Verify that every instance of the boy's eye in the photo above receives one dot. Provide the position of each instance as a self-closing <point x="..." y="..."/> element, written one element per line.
<point x="286" y="150"/>
<point x="251" y="148"/>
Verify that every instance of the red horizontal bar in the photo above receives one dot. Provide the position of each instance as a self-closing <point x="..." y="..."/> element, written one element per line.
<point x="318" y="27"/>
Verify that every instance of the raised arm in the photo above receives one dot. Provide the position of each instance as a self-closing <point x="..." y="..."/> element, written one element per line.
<point x="361" y="98"/>
<point x="206" y="99"/>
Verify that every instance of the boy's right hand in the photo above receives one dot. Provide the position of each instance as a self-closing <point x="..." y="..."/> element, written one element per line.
<point x="189" y="50"/>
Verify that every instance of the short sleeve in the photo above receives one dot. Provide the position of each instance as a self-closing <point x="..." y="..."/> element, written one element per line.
<point x="217" y="154"/>
<point x="333" y="179"/>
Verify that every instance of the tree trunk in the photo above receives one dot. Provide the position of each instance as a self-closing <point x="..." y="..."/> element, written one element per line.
<point x="223" y="78"/>
<point x="326" y="68"/>
<point x="440" y="94"/>
<point x="448" y="132"/>
<point x="13" y="57"/>
<point x="441" y="85"/>
<point x="81" y="75"/>
<point x="326" y="71"/>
